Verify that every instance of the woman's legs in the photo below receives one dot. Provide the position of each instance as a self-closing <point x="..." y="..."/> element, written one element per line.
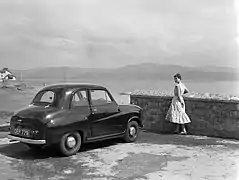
<point x="177" y="128"/>
<point x="183" y="129"/>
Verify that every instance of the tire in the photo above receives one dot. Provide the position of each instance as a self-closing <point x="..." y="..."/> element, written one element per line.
<point x="67" y="149"/>
<point x="132" y="132"/>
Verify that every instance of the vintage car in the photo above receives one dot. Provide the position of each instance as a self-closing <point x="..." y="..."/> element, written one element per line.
<point x="69" y="114"/>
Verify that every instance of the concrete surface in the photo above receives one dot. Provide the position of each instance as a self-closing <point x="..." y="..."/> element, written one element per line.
<point x="3" y="134"/>
<point x="153" y="157"/>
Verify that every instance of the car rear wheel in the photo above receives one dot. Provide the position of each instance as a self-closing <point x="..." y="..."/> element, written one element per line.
<point x="132" y="132"/>
<point x="70" y="144"/>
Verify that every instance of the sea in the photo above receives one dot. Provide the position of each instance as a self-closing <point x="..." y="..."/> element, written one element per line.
<point x="117" y="86"/>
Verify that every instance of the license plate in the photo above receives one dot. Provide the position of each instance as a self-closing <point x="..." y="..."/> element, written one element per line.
<point x="22" y="132"/>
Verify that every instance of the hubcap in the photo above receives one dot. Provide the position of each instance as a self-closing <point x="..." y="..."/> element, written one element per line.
<point x="132" y="131"/>
<point x="71" y="142"/>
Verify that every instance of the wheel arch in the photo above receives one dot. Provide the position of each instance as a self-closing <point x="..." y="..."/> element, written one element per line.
<point x="135" y="117"/>
<point x="55" y="134"/>
<point x="82" y="134"/>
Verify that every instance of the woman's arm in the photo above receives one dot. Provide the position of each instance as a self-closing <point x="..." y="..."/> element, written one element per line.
<point x="179" y="94"/>
<point x="185" y="90"/>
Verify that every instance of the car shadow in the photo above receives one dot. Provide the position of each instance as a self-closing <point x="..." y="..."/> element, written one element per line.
<point x="100" y="144"/>
<point x="21" y="151"/>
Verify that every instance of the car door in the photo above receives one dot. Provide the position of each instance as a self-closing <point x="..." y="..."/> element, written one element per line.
<point x="104" y="115"/>
<point x="80" y="110"/>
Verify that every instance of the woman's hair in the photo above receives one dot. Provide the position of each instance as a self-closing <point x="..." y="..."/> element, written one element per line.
<point x="178" y="76"/>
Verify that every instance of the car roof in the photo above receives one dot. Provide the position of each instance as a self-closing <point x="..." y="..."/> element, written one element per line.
<point x="74" y="85"/>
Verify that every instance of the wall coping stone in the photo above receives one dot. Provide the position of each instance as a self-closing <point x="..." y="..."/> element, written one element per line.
<point x="208" y="97"/>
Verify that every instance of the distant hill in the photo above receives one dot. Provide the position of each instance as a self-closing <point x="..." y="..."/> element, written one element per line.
<point x="141" y="71"/>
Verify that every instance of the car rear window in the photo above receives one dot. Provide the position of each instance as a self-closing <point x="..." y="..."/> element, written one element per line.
<point x="48" y="97"/>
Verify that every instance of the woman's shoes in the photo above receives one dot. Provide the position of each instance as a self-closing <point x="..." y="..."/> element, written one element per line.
<point x="180" y="133"/>
<point x="183" y="133"/>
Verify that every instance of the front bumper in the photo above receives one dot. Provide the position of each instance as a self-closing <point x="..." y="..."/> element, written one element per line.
<point x="25" y="140"/>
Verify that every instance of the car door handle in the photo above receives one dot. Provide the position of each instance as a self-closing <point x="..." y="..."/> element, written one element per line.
<point x="94" y="110"/>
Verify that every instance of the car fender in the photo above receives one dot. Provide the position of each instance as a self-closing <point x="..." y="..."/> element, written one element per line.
<point x="136" y="118"/>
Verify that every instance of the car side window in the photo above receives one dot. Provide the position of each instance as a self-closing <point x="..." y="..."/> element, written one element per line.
<point x="100" y="97"/>
<point x="79" y="99"/>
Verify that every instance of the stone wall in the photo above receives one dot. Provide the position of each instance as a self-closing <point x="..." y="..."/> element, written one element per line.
<point x="209" y="116"/>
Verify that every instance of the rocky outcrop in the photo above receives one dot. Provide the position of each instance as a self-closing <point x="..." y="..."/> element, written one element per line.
<point x="14" y="85"/>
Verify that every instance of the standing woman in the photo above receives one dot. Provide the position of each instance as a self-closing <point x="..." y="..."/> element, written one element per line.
<point x="176" y="113"/>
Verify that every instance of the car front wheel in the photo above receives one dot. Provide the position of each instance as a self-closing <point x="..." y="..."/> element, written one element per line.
<point x="132" y="132"/>
<point x="70" y="144"/>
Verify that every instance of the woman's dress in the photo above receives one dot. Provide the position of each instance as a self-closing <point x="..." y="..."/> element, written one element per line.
<point x="176" y="113"/>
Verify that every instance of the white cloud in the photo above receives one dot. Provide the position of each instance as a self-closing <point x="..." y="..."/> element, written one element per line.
<point x="112" y="29"/>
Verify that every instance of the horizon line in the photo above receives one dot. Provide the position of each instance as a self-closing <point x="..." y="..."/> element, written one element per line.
<point x="138" y="64"/>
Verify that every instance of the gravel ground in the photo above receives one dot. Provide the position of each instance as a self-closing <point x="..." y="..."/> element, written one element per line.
<point x="152" y="157"/>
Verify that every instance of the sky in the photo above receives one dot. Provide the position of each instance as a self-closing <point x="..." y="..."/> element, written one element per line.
<point x="114" y="33"/>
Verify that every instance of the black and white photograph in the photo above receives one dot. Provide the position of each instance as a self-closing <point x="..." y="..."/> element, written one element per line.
<point x="119" y="90"/>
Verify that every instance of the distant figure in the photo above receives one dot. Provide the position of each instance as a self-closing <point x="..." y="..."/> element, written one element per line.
<point x="176" y="113"/>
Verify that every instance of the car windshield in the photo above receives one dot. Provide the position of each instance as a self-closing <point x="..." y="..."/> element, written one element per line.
<point x="48" y="98"/>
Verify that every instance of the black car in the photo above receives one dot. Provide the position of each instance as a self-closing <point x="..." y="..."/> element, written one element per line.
<point x="69" y="114"/>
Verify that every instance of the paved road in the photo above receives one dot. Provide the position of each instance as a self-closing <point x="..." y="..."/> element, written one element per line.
<point x="153" y="157"/>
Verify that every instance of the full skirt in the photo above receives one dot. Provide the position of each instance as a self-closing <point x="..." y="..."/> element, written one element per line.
<point x="176" y="113"/>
